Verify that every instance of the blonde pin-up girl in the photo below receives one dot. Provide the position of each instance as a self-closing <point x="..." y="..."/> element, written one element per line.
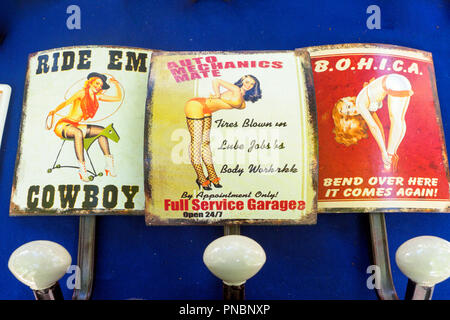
<point x="84" y="105"/>
<point x="353" y="115"/>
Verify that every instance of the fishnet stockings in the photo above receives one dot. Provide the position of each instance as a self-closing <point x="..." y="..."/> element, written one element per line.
<point x="195" y="127"/>
<point x="206" y="149"/>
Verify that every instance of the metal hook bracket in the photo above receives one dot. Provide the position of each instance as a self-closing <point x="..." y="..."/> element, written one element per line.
<point x="85" y="260"/>
<point x="380" y="255"/>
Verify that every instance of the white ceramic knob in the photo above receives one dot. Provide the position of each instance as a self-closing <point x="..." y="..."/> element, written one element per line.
<point x="39" y="264"/>
<point x="234" y="258"/>
<point x="425" y="260"/>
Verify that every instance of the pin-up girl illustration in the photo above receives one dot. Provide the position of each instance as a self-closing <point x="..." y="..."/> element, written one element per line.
<point x="84" y="105"/>
<point x="353" y="115"/>
<point x="199" y="119"/>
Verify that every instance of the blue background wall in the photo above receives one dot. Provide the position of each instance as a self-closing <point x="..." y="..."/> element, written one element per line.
<point x="326" y="261"/>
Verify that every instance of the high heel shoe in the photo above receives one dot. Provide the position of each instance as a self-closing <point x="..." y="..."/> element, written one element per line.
<point x="82" y="172"/>
<point x="109" y="167"/>
<point x="215" y="182"/>
<point x="205" y="185"/>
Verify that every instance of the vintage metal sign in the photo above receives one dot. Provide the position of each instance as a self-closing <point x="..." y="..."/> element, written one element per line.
<point x="80" y="149"/>
<point x="5" y="94"/>
<point x="381" y="139"/>
<point x="231" y="138"/>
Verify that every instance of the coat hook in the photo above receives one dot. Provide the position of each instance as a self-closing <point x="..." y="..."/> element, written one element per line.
<point x="39" y="265"/>
<point x="230" y="229"/>
<point x="234" y="259"/>
<point x="424" y="260"/>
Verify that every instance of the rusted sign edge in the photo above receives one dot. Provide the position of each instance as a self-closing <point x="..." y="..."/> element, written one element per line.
<point x="313" y="49"/>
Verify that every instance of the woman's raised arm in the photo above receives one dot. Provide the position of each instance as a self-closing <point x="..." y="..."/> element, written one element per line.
<point x="217" y="83"/>
<point x="69" y="101"/>
<point x="375" y="130"/>
<point x="117" y="97"/>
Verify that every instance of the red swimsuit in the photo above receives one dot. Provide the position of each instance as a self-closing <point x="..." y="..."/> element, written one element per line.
<point x="88" y="106"/>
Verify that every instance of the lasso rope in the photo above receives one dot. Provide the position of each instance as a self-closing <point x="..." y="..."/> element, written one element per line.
<point x="47" y="126"/>
<point x="86" y="122"/>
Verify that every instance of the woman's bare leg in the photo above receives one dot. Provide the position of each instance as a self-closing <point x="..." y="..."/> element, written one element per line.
<point x="397" y="111"/>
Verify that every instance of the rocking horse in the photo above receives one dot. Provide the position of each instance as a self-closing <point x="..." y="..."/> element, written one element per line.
<point x="109" y="132"/>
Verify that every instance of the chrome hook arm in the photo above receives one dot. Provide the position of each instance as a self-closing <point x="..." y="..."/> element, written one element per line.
<point x="380" y="255"/>
<point x="85" y="260"/>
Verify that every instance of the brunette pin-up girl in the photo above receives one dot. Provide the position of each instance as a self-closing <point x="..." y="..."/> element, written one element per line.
<point x="353" y="115"/>
<point x="199" y="119"/>
<point x="84" y="105"/>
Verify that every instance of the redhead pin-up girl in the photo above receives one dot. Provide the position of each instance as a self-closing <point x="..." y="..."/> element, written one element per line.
<point x="84" y="105"/>
<point x="353" y="115"/>
<point x="198" y="115"/>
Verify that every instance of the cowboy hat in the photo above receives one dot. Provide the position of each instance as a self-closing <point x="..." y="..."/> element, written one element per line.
<point x="105" y="86"/>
